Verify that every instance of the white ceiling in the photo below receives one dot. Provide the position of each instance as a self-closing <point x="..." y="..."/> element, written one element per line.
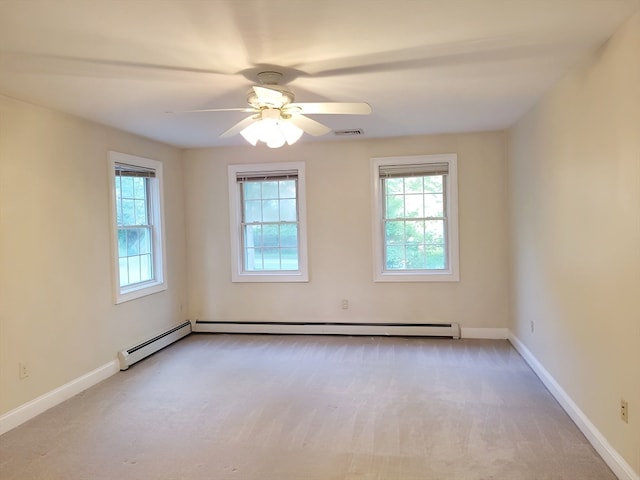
<point x="425" y="66"/>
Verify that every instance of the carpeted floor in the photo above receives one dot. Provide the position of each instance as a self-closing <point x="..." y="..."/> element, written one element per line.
<point x="252" y="407"/>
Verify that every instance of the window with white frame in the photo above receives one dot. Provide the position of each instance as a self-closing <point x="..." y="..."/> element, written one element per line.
<point x="415" y="218"/>
<point x="136" y="206"/>
<point x="268" y="225"/>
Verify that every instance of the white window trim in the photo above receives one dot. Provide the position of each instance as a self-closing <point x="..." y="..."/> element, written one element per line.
<point x="235" y="218"/>
<point x="452" y="274"/>
<point x="159" y="283"/>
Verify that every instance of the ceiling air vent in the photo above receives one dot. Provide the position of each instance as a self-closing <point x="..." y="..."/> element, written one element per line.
<point x="350" y="132"/>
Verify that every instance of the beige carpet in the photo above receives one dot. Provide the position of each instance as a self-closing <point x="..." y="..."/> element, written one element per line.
<point x="251" y="407"/>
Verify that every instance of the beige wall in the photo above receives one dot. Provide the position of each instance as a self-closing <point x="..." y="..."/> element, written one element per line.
<point x="340" y="245"/>
<point x="56" y="310"/>
<point x="575" y="194"/>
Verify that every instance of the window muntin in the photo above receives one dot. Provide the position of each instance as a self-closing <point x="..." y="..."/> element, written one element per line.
<point x="415" y="211"/>
<point x="136" y="191"/>
<point x="268" y="222"/>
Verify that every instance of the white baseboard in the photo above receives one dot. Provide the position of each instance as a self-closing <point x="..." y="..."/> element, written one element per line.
<point x="485" y="333"/>
<point x="27" y="411"/>
<point x="612" y="458"/>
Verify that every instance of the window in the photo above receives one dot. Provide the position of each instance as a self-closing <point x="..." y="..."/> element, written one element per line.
<point x="415" y="218"/>
<point x="136" y="205"/>
<point x="268" y="227"/>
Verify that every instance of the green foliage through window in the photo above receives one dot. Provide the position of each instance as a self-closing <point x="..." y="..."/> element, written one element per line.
<point x="414" y="223"/>
<point x="270" y="225"/>
<point x="134" y="229"/>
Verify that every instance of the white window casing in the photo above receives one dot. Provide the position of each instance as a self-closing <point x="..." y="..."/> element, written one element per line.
<point x="443" y="166"/>
<point x="124" y="165"/>
<point x="238" y="176"/>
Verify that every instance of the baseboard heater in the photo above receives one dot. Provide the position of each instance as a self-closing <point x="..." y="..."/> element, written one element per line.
<point x="136" y="353"/>
<point x="444" y="330"/>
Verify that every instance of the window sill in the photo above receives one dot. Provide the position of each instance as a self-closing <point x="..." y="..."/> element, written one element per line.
<point x="269" y="277"/>
<point x="416" y="277"/>
<point x="129" y="294"/>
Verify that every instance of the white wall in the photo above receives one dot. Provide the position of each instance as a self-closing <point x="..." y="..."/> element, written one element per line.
<point x="56" y="310"/>
<point x="575" y="195"/>
<point x="340" y="245"/>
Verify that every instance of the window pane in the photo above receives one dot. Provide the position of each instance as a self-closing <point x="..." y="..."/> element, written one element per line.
<point x="287" y="189"/>
<point x="270" y="236"/>
<point x="414" y="231"/>
<point x="434" y="231"/>
<point x="252" y="211"/>
<point x="436" y="257"/>
<point x="416" y="259"/>
<point x="395" y="206"/>
<point x="269" y="190"/>
<point x="122" y="243"/>
<point x="140" y="212"/>
<point x="253" y="259"/>
<point x="270" y="211"/>
<point x="123" y="267"/>
<point x="134" y="269"/>
<point x="145" y="268"/>
<point x="289" y="235"/>
<point x="133" y="246"/>
<point x="394" y="185"/>
<point x="128" y="212"/>
<point x="139" y="187"/>
<point x="253" y="236"/>
<point x="413" y="184"/>
<point x="271" y="258"/>
<point x="288" y="210"/>
<point x="144" y="239"/>
<point x="433" y="183"/>
<point x="289" y="258"/>
<point x="394" y="232"/>
<point x="252" y="190"/>
<point x="126" y="185"/>
<point x="395" y="257"/>
<point x="414" y="206"/>
<point x="433" y="205"/>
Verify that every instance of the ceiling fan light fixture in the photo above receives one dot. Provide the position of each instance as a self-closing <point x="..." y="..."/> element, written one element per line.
<point x="272" y="130"/>
<point x="291" y="133"/>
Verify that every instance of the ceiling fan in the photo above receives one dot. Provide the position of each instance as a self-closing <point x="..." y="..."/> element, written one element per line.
<point x="277" y="119"/>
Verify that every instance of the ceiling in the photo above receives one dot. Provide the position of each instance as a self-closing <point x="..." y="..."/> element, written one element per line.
<point x="424" y="66"/>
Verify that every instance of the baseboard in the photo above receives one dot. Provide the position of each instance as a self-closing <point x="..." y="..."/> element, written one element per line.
<point x="448" y="330"/>
<point x="485" y="333"/>
<point x="35" y="407"/>
<point x="612" y="458"/>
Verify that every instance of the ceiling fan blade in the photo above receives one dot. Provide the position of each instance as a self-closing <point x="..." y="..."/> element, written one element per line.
<point x="242" y="109"/>
<point x="268" y="96"/>
<point x="238" y="127"/>
<point x="22" y="62"/>
<point x="331" y="108"/>
<point x="309" y="126"/>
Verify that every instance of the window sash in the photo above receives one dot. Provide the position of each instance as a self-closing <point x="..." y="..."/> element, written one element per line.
<point x="264" y="177"/>
<point x="410" y="171"/>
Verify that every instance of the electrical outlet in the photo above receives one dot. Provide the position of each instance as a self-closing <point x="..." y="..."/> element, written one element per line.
<point x="532" y="325"/>
<point x="23" y="370"/>
<point x="345" y="304"/>
<point x="624" y="410"/>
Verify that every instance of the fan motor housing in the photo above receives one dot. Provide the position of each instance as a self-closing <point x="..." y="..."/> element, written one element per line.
<point x="287" y="95"/>
<point x="270" y="80"/>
